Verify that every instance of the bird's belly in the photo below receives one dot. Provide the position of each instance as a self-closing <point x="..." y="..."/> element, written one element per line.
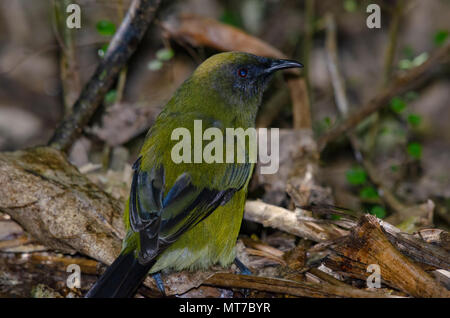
<point x="210" y="242"/>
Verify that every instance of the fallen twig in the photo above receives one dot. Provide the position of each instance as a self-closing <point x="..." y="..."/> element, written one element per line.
<point x="21" y="240"/>
<point x="425" y="250"/>
<point x="87" y="266"/>
<point x="368" y="245"/>
<point x="418" y="249"/>
<point x="289" y="287"/>
<point x="285" y="220"/>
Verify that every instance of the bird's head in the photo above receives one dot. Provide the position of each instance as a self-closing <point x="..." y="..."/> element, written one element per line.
<point x="238" y="77"/>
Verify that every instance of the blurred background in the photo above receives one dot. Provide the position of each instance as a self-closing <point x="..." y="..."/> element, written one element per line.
<point x="44" y="65"/>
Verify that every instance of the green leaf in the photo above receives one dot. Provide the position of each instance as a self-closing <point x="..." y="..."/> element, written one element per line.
<point x="356" y="176"/>
<point x="420" y="59"/>
<point x="378" y="211"/>
<point x="231" y="18"/>
<point x="368" y="193"/>
<point x="106" y="28"/>
<point x="440" y="37"/>
<point x="350" y="5"/>
<point x="164" y="54"/>
<point x="415" y="150"/>
<point x="110" y="97"/>
<point x="398" y="104"/>
<point x="414" y="120"/>
<point x="155" y="65"/>
<point x="405" y="64"/>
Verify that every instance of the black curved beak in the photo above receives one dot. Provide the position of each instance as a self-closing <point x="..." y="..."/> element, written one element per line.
<point x="281" y="65"/>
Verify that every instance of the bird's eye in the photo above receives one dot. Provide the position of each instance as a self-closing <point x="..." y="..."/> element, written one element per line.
<point x="243" y="72"/>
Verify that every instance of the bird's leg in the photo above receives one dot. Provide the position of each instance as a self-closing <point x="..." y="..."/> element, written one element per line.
<point x="242" y="268"/>
<point x="244" y="271"/>
<point x="159" y="283"/>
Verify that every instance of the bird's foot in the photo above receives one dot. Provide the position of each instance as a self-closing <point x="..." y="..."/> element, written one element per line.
<point x="159" y="283"/>
<point x="244" y="271"/>
<point x="242" y="268"/>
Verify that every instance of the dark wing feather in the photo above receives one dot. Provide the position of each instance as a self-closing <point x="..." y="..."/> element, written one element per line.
<point x="146" y="196"/>
<point x="160" y="220"/>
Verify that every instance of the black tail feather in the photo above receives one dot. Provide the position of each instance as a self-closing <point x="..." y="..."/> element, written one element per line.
<point x="121" y="279"/>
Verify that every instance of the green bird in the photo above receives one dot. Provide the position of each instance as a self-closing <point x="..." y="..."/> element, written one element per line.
<point x="187" y="215"/>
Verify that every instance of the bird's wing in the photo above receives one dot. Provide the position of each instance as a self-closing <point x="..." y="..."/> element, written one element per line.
<point x="161" y="220"/>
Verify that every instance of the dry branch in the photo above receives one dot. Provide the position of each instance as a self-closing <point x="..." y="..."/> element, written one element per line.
<point x="288" y="287"/>
<point x="418" y="249"/>
<point x="288" y="221"/>
<point x="86" y="265"/>
<point x="333" y="65"/>
<point x="70" y="78"/>
<point x="300" y="102"/>
<point x="59" y="206"/>
<point x="122" y="46"/>
<point x="429" y="250"/>
<point x="367" y="245"/>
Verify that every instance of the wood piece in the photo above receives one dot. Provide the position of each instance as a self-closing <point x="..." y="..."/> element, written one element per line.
<point x="367" y="245"/>
<point x="59" y="206"/>
<point x="282" y="286"/>
<point x="285" y="220"/>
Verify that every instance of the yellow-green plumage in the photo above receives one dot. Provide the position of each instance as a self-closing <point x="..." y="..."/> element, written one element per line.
<point x="212" y="240"/>
<point x="188" y="215"/>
